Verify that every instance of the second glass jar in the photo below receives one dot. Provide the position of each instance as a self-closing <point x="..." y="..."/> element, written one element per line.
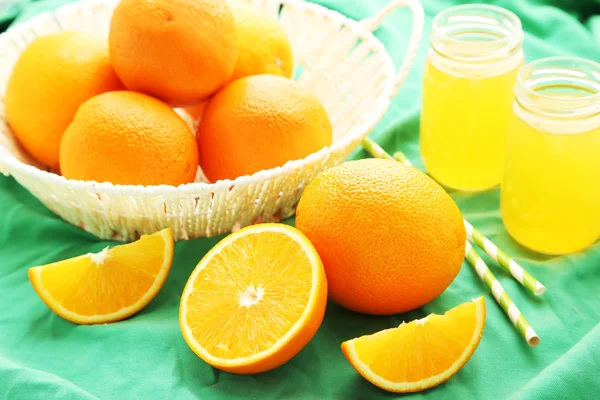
<point x="550" y="195"/>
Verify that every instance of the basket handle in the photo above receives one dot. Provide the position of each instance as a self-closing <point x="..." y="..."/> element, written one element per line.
<point x="418" y="22"/>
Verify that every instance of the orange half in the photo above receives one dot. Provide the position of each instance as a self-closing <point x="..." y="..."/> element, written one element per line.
<point x="254" y="300"/>
<point x="420" y="354"/>
<point x="107" y="286"/>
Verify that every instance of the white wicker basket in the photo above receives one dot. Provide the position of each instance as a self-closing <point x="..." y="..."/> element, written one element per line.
<point x="340" y="61"/>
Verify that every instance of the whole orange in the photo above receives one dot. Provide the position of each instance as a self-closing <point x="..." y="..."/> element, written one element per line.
<point x="180" y="51"/>
<point x="391" y="239"/>
<point x="128" y="138"/>
<point x="52" y="77"/>
<point x="263" y="46"/>
<point x="260" y="122"/>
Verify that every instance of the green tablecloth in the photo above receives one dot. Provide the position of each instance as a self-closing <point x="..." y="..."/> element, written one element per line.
<point x="44" y="357"/>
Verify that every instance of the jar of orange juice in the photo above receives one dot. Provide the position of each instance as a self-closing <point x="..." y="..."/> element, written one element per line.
<point x="550" y="194"/>
<point x="471" y="69"/>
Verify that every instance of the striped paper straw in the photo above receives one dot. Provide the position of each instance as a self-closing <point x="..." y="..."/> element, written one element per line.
<point x="377" y="151"/>
<point x="517" y="272"/>
<point x="522" y="276"/>
<point x="509" y="307"/>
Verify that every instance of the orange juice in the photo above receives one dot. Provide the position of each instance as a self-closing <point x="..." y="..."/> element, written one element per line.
<point x="471" y="69"/>
<point x="463" y="127"/>
<point x="550" y="197"/>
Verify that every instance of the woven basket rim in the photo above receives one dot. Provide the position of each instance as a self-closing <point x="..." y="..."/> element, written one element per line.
<point x="378" y="109"/>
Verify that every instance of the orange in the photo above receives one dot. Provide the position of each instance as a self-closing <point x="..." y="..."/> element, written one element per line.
<point x="390" y="237"/>
<point x="263" y="46"/>
<point x="254" y="300"/>
<point x="108" y="286"/>
<point x="260" y="122"/>
<point x="420" y="354"/>
<point x="50" y="80"/>
<point x="180" y="51"/>
<point x="128" y="138"/>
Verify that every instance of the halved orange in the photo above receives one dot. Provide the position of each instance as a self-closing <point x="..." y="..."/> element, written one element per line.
<point x="254" y="300"/>
<point x="108" y="286"/>
<point x="420" y="354"/>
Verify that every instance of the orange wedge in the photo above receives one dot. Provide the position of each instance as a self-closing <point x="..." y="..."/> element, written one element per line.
<point x="254" y="300"/>
<point x="107" y="286"/>
<point x="420" y="354"/>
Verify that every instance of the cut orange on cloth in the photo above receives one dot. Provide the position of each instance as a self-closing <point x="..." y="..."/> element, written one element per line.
<point x="107" y="286"/>
<point x="254" y="300"/>
<point x="420" y="354"/>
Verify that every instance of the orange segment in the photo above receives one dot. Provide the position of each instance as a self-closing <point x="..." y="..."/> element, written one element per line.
<point x="107" y="286"/>
<point x="420" y="354"/>
<point x="255" y="300"/>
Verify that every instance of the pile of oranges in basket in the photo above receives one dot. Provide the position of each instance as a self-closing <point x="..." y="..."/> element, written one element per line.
<point x="103" y="110"/>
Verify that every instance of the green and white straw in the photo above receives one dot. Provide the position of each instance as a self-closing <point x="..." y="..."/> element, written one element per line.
<point x="377" y="151"/>
<point x="522" y="276"/>
<point x="509" y="307"/>
<point x="511" y="266"/>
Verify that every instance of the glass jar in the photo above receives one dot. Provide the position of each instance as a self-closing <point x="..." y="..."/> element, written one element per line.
<point x="472" y="66"/>
<point x="550" y="194"/>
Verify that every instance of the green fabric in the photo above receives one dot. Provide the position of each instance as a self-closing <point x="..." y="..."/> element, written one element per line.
<point x="145" y="357"/>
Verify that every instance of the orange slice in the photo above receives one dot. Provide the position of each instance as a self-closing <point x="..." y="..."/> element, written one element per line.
<point x="107" y="286"/>
<point x="254" y="300"/>
<point x="420" y="354"/>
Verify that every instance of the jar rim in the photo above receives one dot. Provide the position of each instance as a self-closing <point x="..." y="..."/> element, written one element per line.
<point x="536" y="64"/>
<point x="509" y="43"/>
<point x="577" y="71"/>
